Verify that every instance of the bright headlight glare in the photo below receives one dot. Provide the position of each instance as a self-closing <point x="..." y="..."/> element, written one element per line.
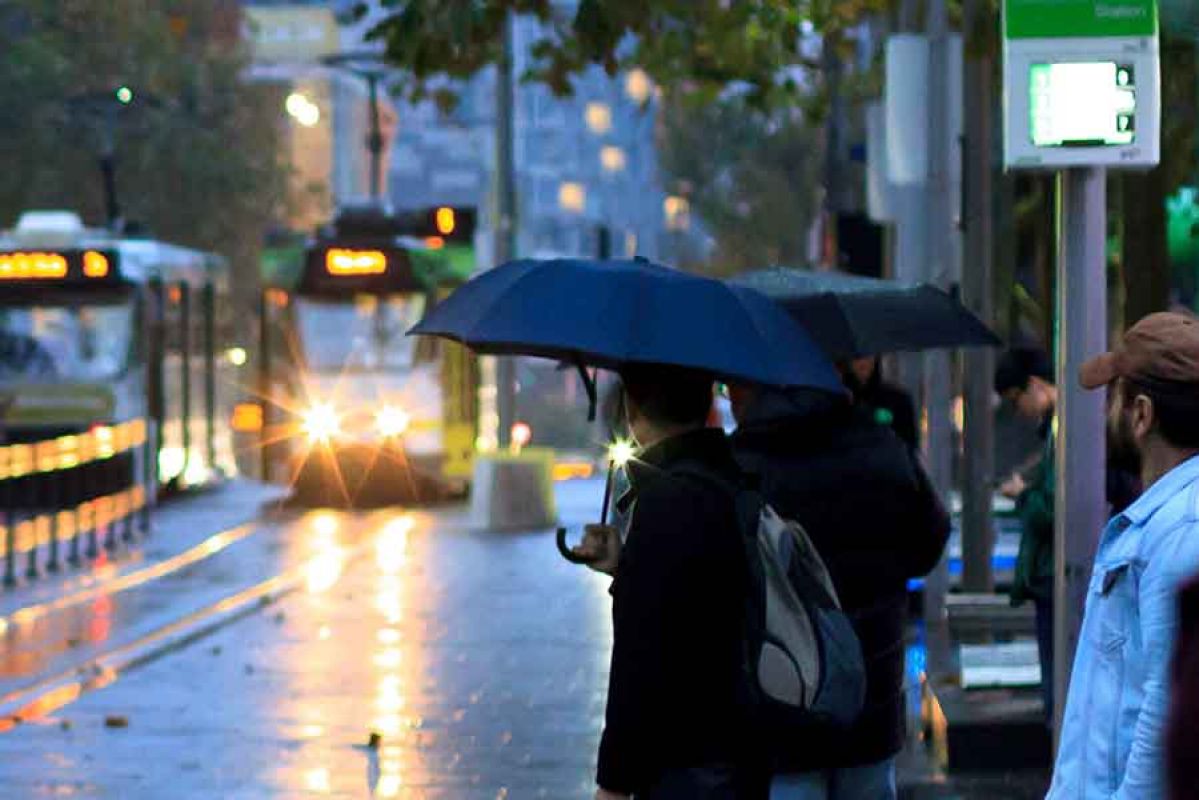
<point x="321" y="422"/>
<point x="391" y="421"/>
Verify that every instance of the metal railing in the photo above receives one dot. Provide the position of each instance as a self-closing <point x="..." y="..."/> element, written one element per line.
<point x="70" y="496"/>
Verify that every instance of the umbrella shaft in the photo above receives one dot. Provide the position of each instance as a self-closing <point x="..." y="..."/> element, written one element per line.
<point x="607" y="493"/>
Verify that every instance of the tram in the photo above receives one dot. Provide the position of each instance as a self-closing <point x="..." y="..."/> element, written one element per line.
<point x="364" y="413"/>
<point x="99" y="329"/>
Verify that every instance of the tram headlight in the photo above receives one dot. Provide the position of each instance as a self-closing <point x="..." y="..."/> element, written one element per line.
<point x="391" y="421"/>
<point x="321" y="422"/>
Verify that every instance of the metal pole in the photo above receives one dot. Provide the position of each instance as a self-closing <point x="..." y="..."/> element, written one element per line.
<point x="265" y="386"/>
<point x="185" y="388"/>
<point x="1082" y="332"/>
<point x="208" y="309"/>
<point x="374" y="140"/>
<point x="505" y="225"/>
<point x="941" y="248"/>
<point x="108" y="169"/>
<point x="978" y="215"/>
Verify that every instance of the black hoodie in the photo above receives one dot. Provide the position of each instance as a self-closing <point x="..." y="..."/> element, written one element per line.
<point x="874" y="518"/>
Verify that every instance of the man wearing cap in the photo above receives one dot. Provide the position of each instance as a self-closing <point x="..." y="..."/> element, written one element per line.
<point x="1112" y="738"/>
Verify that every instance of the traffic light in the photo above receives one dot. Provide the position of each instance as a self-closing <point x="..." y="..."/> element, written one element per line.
<point x="450" y="224"/>
<point x="437" y="225"/>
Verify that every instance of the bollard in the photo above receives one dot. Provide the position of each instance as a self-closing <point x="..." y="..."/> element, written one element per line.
<point x="36" y="492"/>
<point x="10" y="535"/>
<point x="76" y="496"/>
<point x="55" y="498"/>
<point x="127" y="519"/>
<point x="31" y="571"/>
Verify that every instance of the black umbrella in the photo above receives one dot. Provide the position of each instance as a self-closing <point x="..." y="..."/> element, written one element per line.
<point x="851" y="316"/>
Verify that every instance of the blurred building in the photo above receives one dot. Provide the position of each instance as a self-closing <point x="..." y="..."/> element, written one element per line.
<point x="587" y="173"/>
<point x="325" y="111"/>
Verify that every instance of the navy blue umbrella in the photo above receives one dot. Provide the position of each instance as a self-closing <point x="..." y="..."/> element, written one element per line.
<point x="852" y="316"/>
<point x="611" y="313"/>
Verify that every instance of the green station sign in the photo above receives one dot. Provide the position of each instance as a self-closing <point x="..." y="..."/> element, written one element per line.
<point x="1082" y="19"/>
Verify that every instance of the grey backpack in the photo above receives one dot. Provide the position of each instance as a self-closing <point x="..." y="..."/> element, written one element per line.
<point x="803" y="662"/>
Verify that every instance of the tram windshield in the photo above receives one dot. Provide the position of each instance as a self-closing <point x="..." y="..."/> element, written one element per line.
<point x="366" y="333"/>
<point x="62" y="343"/>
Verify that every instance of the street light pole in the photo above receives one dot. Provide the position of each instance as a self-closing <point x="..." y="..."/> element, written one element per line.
<point x="978" y="453"/>
<point x="108" y="167"/>
<point x="505" y="222"/>
<point x="367" y="66"/>
<point x="941" y="248"/>
<point x="374" y="140"/>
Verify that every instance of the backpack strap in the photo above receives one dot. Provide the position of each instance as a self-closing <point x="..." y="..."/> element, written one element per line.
<point x="747" y="500"/>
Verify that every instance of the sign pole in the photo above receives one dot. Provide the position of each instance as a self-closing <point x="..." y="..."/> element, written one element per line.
<point x="1082" y="332"/>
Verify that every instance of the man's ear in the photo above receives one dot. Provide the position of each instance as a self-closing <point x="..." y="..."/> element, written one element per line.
<point x="1144" y="416"/>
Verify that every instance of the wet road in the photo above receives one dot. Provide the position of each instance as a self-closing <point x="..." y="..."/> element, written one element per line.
<point x="480" y="660"/>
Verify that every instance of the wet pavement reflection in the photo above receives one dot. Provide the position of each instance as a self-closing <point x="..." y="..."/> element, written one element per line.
<point x="478" y="662"/>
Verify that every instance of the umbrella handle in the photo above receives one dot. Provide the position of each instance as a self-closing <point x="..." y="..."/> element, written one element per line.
<point x="569" y="554"/>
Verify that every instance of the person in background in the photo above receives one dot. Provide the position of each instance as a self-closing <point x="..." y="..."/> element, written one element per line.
<point x="1182" y="732"/>
<point x="876" y="522"/>
<point x="1024" y="378"/>
<point x="1112" y="737"/>
<point x="675" y="726"/>
<point x="885" y="402"/>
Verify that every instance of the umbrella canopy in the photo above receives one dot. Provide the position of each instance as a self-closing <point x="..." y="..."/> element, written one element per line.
<point x="850" y="316"/>
<point x="612" y="313"/>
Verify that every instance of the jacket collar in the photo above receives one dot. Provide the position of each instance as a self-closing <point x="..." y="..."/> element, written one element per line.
<point x="1160" y="493"/>
<point x="707" y="446"/>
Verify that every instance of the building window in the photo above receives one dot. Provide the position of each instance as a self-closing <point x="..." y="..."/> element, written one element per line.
<point x="572" y="197"/>
<point x="678" y="213"/>
<point x="612" y="159"/>
<point x="637" y="86"/>
<point x="599" y="118"/>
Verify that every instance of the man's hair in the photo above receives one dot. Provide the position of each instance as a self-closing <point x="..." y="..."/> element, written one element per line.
<point x="669" y="395"/>
<point x="1175" y="412"/>
<point x="1018" y="366"/>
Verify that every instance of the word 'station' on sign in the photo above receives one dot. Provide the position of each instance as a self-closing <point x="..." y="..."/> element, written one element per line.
<point x="1081" y="84"/>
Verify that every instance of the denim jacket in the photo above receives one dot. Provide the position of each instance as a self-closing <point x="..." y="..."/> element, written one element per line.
<point x="1111" y="743"/>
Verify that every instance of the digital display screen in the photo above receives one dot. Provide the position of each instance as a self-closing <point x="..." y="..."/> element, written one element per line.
<point x="344" y="261"/>
<point x="41" y="265"/>
<point x="1082" y="104"/>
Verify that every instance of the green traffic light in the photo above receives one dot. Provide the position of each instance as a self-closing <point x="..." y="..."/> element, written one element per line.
<point x="125" y="95"/>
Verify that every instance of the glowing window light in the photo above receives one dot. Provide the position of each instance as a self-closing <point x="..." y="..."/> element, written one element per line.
<point x="572" y="196"/>
<point x="340" y="261"/>
<point x="598" y="117"/>
<point x="613" y="159"/>
<point x="22" y="266"/>
<point x="95" y="265"/>
<point x="446" y="220"/>
<point x="638" y="86"/>
<point x="678" y="213"/>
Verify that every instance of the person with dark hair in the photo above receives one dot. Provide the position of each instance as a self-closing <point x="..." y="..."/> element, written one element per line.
<point x="1024" y="378"/>
<point x="863" y="498"/>
<point x="675" y="726"/>
<point x="886" y="403"/>
<point x="1112" y="738"/>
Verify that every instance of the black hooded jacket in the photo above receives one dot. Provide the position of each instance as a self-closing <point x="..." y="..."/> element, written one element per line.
<point x="875" y="520"/>
<point x="678" y="600"/>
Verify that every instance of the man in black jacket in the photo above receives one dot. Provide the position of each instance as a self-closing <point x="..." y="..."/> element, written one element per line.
<point x="876" y="521"/>
<point x="675" y="727"/>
